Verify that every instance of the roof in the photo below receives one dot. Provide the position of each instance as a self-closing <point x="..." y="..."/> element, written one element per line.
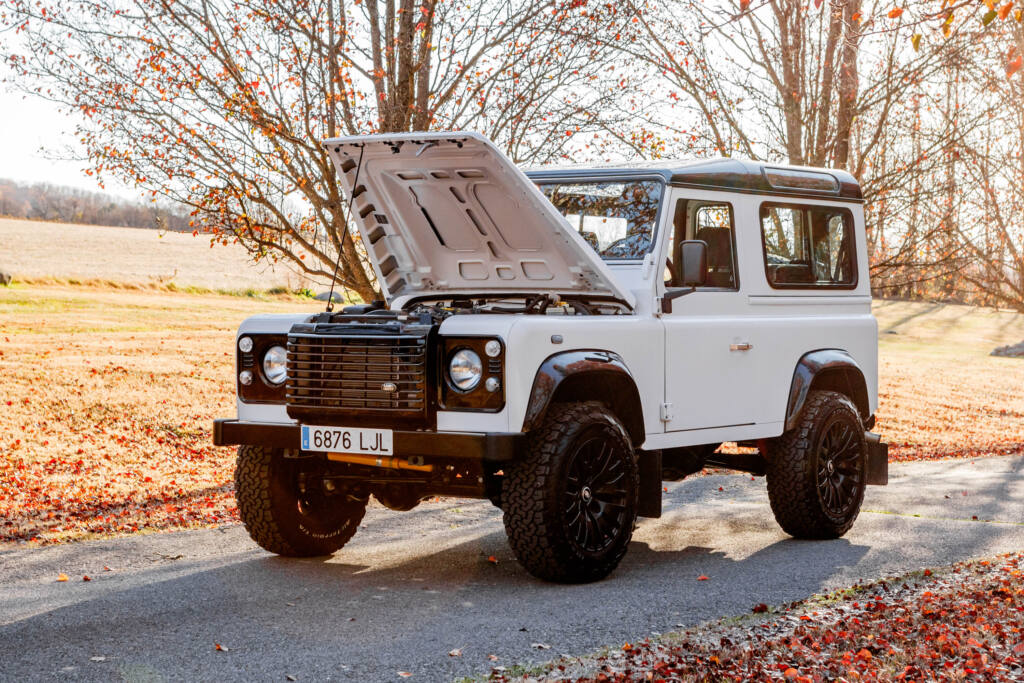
<point x="734" y="175"/>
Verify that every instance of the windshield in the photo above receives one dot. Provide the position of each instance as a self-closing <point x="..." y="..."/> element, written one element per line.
<point x="617" y="219"/>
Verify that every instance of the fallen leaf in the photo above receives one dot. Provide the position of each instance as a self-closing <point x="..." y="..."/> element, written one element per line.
<point x="62" y="577"/>
<point x="627" y="647"/>
<point x="97" y="659"/>
<point x="540" y="646"/>
<point x="219" y="648"/>
<point x="493" y="658"/>
<point x="86" y="578"/>
<point x="702" y="577"/>
<point x="289" y="677"/>
<point x="455" y="653"/>
<point x="760" y="608"/>
<point x="492" y="559"/>
<point x="404" y="674"/>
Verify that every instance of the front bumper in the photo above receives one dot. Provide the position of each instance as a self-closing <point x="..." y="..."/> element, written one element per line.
<point x="490" y="447"/>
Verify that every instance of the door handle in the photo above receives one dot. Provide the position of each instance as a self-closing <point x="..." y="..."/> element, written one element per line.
<point x="741" y="346"/>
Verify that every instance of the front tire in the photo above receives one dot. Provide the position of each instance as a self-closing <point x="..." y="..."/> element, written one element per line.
<point x="570" y="505"/>
<point x="816" y="471"/>
<point x="289" y="508"/>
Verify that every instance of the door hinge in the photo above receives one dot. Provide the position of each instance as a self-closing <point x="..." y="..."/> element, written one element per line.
<point x="667" y="413"/>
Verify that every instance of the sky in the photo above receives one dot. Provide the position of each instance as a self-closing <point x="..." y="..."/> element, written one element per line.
<point x="28" y="126"/>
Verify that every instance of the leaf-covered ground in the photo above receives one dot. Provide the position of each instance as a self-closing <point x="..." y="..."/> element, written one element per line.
<point x="963" y="623"/>
<point x="107" y="399"/>
<point x="106" y="407"/>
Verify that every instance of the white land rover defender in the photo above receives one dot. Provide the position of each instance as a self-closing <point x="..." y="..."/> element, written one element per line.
<point x="560" y="342"/>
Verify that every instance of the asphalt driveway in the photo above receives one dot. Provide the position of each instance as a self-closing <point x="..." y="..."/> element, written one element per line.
<point x="411" y="587"/>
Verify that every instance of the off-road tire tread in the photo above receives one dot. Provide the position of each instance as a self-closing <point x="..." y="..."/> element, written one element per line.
<point x="253" y="474"/>
<point x="528" y="483"/>
<point x="792" y="493"/>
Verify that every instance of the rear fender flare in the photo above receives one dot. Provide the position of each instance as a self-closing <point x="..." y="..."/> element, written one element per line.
<point x="833" y="369"/>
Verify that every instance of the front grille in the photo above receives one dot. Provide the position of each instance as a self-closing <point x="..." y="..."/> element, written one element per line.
<point x="351" y="376"/>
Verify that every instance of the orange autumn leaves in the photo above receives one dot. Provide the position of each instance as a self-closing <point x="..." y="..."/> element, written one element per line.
<point x="964" y="623"/>
<point x="105" y="425"/>
<point x="946" y="16"/>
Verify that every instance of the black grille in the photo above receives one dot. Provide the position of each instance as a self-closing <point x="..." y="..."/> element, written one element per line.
<point x="382" y="376"/>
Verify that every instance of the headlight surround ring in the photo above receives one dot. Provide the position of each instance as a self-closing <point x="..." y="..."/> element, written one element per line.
<point x="275" y="365"/>
<point x="465" y="369"/>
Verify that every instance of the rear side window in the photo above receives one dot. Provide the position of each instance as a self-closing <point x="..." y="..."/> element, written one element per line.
<point x="808" y="246"/>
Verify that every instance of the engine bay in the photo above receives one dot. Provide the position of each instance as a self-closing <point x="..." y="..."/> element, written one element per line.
<point x="428" y="311"/>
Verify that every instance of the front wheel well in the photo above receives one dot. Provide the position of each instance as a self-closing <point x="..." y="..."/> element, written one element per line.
<point x="615" y="390"/>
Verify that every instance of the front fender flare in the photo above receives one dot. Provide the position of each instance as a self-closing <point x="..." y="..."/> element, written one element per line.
<point x="587" y="375"/>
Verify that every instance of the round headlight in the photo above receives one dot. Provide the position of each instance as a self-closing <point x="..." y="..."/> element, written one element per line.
<point x="245" y="344"/>
<point x="465" y="369"/>
<point x="492" y="348"/>
<point x="275" y="364"/>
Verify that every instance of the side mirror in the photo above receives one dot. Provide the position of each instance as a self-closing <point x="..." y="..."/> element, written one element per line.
<point x="693" y="268"/>
<point x="694" y="256"/>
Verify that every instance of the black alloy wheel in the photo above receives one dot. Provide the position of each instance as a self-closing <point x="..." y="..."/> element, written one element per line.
<point x="816" y="471"/>
<point x="571" y="501"/>
<point x="596" y="491"/>
<point x="840" y="470"/>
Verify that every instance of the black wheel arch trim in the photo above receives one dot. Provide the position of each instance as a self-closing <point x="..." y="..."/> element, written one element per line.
<point x="833" y="369"/>
<point x="566" y="374"/>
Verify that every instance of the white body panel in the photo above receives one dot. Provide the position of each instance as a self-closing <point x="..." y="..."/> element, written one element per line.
<point x="719" y="391"/>
<point x="685" y="362"/>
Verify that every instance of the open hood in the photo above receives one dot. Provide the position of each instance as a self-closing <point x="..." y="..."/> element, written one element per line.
<point x="448" y="213"/>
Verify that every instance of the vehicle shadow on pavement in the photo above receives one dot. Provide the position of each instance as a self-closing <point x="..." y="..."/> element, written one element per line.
<point x="412" y="587"/>
<point x="277" y="615"/>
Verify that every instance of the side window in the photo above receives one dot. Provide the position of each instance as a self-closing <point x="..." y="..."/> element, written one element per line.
<point x="808" y="246"/>
<point x="713" y="223"/>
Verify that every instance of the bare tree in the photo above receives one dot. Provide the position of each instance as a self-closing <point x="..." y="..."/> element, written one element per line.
<point x="220" y="105"/>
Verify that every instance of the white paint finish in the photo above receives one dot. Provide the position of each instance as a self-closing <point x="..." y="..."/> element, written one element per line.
<point x="450" y="213"/>
<point x="796" y="300"/>
<point x="638" y="339"/>
<point x="710" y="384"/>
<point x="455" y="421"/>
<point x="277" y="323"/>
<point x="698" y="437"/>
<point x="686" y="358"/>
<point x="263" y="412"/>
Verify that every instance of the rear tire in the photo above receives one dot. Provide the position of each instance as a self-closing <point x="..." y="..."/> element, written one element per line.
<point x="286" y="507"/>
<point x="570" y="505"/>
<point x="816" y="471"/>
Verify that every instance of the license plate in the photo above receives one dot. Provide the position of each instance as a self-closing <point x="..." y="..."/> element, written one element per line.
<point x="347" y="440"/>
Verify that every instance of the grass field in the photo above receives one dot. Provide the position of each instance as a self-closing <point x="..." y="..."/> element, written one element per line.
<point x="36" y="251"/>
<point x="108" y="397"/>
